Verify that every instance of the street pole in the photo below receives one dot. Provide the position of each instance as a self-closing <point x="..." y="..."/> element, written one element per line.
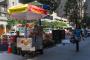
<point x="39" y="22"/>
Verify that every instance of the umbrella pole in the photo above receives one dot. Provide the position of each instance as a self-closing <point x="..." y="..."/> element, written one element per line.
<point x="26" y="30"/>
<point x="39" y="22"/>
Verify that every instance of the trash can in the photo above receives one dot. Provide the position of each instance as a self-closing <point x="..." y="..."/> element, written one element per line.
<point x="58" y="35"/>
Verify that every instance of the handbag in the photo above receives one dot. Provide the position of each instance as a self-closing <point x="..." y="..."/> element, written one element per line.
<point x="73" y="40"/>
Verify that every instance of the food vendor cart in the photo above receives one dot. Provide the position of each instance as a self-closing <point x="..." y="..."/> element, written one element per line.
<point x="28" y="12"/>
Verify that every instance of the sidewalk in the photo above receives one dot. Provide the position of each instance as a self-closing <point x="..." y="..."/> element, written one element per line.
<point x="67" y="52"/>
<point x="5" y="56"/>
<point x="59" y="52"/>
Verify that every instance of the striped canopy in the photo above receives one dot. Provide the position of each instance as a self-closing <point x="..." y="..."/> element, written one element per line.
<point x="27" y="12"/>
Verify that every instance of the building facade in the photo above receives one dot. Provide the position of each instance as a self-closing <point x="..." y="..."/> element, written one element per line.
<point x="3" y="16"/>
<point x="4" y="5"/>
<point x="60" y="9"/>
<point x="12" y="3"/>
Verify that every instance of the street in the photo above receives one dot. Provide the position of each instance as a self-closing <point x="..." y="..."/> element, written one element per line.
<point x="44" y="29"/>
<point x="67" y="52"/>
<point x="59" y="52"/>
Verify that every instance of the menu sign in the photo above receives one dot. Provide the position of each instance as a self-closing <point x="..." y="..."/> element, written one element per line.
<point x="25" y="44"/>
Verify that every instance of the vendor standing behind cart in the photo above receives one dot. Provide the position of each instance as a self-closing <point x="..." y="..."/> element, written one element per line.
<point x="38" y="38"/>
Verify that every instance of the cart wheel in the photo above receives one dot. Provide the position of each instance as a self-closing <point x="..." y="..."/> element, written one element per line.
<point x="23" y="53"/>
<point x="19" y="51"/>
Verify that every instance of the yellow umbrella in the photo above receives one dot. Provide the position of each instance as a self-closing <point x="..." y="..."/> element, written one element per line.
<point x="18" y="9"/>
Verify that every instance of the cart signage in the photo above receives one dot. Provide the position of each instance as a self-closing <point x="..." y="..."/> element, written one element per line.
<point x="25" y="44"/>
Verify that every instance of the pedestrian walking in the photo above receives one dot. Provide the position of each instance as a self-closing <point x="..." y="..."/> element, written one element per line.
<point x="78" y="36"/>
